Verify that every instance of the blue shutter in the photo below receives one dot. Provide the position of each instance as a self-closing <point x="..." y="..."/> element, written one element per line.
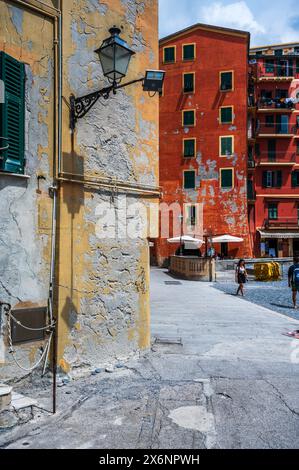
<point x="12" y="112"/>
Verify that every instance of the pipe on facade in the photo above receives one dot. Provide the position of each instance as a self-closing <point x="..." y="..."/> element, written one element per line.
<point x="111" y="182"/>
<point x="146" y="192"/>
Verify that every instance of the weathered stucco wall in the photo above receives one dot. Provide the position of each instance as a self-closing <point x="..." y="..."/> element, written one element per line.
<point x="25" y="206"/>
<point x="102" y="286"/>
<point x="105" y="299"/>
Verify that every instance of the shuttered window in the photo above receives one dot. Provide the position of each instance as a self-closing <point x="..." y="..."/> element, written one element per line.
<point x="169" y="55"/>
<point x="226" y="81"/>
<point x="189" y="118"/>
<point x="272" y="179"/>
<point x="226" y="115"/>
<point x="189" y="180"/>
<point x="273" y="211"/>
<point x="188" y="82"/>
<point x="12" y="114"/>
<point x="295" y="179"/>
<point x="188" y="51"/>
<point x="226" y="178"/>
<point x="269" y="66"/>
<point x="189" y="148"/>
<point x="226" y="146"/>
<point x="272" y="150"/>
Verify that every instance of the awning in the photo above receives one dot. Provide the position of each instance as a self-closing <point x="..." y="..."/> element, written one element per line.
<point x="227" y="239"/>
<point x="276" y="235"/>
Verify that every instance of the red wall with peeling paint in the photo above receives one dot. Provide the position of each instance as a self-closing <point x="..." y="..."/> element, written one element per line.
<point x="225" y="211"/>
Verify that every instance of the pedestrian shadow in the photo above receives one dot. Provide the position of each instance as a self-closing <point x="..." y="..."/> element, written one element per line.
<point x="281" y="306"/>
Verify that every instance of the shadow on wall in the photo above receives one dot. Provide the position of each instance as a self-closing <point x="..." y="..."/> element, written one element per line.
<point x="70" y="201"/>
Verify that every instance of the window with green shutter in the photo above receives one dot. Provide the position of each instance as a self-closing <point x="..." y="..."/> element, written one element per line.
<point x="297" y="148"/>
<point x="169" y="54"/>
<point x="189" y="148"/>
<point x="189" y="118"/>
<point x="226" y="178"/>
<point x="188" y="51"/>
<point x="273" y="211"/>
<point x="226" y="81"/>
<point x="295" y="179"/>
<point x="272" y="150"/>
<point x="226" y="146"/>
<point x="269" y="66"/>
<point x="189" y="179"/>
<point x="12" y="112"/>
<point x="269" y="121"/>
<point x="226" y="115"/>
<point x="188" y="82"/>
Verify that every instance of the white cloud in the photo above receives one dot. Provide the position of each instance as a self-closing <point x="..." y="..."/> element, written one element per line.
<point x="234" y="15"/>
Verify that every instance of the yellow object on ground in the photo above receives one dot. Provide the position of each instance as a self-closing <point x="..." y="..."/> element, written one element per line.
<point x="267" y="271"/>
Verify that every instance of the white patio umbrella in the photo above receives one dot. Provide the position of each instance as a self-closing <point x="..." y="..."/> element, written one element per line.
<point x="196" y="242"/>
<point x="227" y="239"/>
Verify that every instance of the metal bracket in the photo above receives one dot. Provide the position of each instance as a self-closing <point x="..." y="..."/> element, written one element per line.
<point x="79" y="107"/>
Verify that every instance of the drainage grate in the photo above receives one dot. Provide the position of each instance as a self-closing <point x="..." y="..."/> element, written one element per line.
<point x="173" y="283"/>
<point x="169" y="340"/>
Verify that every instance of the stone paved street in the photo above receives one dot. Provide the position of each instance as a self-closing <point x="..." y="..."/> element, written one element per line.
<point x="232" y="383"/>
<point x="274" y="295"/>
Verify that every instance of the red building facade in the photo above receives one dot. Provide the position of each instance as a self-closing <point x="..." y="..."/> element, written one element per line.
<point x="273" y="150"/>
<point x="203" y="132"/>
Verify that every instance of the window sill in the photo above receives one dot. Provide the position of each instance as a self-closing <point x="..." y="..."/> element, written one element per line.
<point x="15" y="175"/>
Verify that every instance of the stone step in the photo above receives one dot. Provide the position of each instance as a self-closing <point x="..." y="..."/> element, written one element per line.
<point x="5" y="396"/>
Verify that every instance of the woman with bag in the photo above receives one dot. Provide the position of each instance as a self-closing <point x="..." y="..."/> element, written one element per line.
<point x="241" y="276"/>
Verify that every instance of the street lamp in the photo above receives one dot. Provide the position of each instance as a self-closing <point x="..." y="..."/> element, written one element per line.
<point x="115" y="56"/>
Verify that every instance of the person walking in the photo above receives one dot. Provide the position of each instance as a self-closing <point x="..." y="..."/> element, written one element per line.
<point x="293" y="277"/>
<point x="241" y="276"/>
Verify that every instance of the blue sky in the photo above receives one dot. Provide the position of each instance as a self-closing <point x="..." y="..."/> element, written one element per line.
<point x="269" y="21"/>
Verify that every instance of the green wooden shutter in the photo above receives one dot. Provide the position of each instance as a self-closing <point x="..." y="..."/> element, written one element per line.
<point x="265" y="179"/>
<point x="169" y="54"/>
<point x="188" y="83"/>
<point x="12" y="123"/>
<point x="189" y="118"/>
<point x="226" y="115"/>
<point x="227" y="178"/>
<point x="189" y="148"/>
<point x="189" y="180"/>
<point x="269" y="65"/>
<point x="188" y="52"/>
<point x="226" y="81"/>
<point x="226" y="145"/>
<point x="272" y="150"/>
<point x="279" y="179"/>
<point x="295" y="179"/>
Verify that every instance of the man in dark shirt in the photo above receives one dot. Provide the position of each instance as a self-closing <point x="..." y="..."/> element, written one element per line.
<point x="294" y="279"/>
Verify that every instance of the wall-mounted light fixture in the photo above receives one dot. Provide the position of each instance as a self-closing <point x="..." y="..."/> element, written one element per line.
<point x="115" y="55"/>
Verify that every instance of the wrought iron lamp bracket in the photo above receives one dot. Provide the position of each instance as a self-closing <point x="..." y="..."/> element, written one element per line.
<point x="79" y="107"/>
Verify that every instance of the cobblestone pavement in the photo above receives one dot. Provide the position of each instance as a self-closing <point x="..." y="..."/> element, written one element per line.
<point x="276" y="296"/>
<point x="220" y="375"/>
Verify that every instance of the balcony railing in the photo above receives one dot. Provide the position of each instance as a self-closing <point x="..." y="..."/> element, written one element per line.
<point x="276" y="129"/>
<point x="277" y="157"/>
<point x="277" y="72"/>
<point x="277" y="103"/>
<point x="288" y="222"/>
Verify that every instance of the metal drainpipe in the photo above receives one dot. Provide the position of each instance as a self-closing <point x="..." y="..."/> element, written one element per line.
<point x="55" y="189"/>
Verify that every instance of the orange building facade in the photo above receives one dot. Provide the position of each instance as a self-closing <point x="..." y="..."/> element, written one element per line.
<point x="273" y="180"/>
<point x="204" y="133"/>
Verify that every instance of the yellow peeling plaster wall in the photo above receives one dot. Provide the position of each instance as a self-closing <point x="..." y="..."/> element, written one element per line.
<point x="104" y="283"/>
<point x="25" y="205"/>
